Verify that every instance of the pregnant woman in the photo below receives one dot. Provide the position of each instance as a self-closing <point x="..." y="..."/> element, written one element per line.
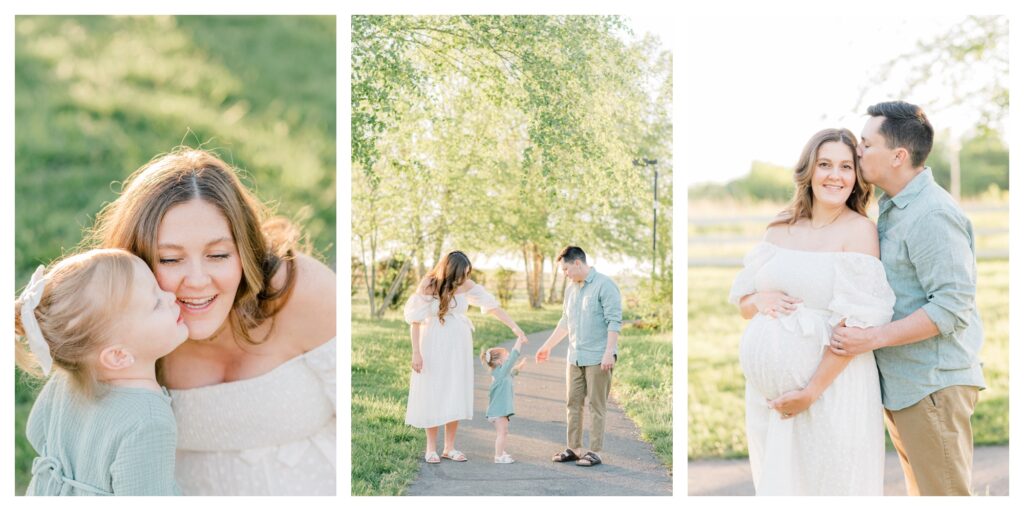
<point x="814" y="419"/>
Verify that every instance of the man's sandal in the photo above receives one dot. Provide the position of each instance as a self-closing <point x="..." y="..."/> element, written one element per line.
<point x="431" y="457"/>
<point x="589" y="459"/>
<point x="565" y="456"/>
<point x="454" y="455"/>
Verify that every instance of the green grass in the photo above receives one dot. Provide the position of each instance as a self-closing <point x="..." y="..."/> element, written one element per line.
<point x="715" y="382"/>
<point x="643" y="385"/>
<point x="98" y="96"/>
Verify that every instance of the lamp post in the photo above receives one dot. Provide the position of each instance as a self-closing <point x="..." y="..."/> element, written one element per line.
<point x="645" y="162"/>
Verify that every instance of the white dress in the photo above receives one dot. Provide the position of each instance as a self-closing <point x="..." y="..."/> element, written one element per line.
<point x="837" y="446"/>
<point x="269" y="435"/>
<point x="442" y="391"/>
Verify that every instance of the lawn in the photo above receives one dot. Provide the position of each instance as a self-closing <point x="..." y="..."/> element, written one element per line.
<point x="715" y="382"/>
<point x="98" y="96"/>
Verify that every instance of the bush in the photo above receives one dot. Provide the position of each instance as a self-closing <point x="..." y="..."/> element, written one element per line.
<point x="652" y="305"/>
<point x="506" y="285"/>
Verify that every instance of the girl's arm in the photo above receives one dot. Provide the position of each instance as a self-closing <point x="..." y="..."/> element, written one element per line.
<point x="144" y="464"/>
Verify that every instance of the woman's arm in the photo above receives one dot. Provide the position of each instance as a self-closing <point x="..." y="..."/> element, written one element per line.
<point x="796" y="401"/>
<point x="503" y="316"/>
<point x="417" y="357"/>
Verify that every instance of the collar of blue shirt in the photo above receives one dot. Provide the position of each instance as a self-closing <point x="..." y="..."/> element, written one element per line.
<point x="909" y="192"/>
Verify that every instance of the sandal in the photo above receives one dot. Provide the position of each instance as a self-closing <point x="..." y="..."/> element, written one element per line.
<point x="588" y="460"/>
<point x="431" y="457"/>
<point x="504" y="458"/>
<point x="454" y="455"/>
<point x="562" y="457"/>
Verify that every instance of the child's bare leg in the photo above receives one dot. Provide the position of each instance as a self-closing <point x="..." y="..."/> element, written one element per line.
<point x="501" y="425"/>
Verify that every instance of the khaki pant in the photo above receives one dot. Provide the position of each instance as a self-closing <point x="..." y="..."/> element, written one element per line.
<point x="592" y="384"/>
<point x="934" y="441"/>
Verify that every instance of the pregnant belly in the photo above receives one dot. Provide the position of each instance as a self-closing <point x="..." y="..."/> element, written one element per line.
<point x="775" y="359"/>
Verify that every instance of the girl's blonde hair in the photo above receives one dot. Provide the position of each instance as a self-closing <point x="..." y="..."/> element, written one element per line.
<point x="494" y="359"/>
<point x="77" y="313"/>
<point x="264" y="244"/>
<point x="803" y="197"/>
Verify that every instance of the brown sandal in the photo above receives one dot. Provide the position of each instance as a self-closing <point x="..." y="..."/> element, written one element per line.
<point x="588" y="460"/>
<point x="563" y="457"/>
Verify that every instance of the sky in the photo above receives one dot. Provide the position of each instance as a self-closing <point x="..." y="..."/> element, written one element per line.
<point x="758" y="88"/>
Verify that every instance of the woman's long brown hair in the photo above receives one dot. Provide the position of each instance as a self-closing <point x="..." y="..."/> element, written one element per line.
<point x="447" y="276"/>
<point x="803" y="197"/>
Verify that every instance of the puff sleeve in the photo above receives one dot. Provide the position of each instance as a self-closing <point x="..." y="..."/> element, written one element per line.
<point x="861" y="295"/>
<point x="417" y="308"/>
<point x="478" y="296"/>
<point x="752" y="263"/>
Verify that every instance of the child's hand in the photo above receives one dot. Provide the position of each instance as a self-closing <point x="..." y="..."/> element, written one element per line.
<point x="521" y="339"/>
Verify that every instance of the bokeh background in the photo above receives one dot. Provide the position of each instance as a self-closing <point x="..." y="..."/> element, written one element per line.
<point x="99" y="96"/>
<point x="818" y="73"/>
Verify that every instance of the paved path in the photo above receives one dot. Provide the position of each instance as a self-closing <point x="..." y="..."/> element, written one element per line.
<point x="537" y="432"/>
<point x="732" y="477"/>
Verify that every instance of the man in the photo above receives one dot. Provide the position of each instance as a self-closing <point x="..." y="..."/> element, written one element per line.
<point x="928" y="356"/>
<point x="592" y="319"/>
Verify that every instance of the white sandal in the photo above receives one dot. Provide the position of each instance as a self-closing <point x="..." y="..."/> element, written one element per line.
<point x="504" y="458"/>
<point x="454" y="455"/>
<point x="431" y="457"/>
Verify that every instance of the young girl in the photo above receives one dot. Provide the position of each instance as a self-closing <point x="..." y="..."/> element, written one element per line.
<point x="500" y="409"/>
<point x="101" y="424"/>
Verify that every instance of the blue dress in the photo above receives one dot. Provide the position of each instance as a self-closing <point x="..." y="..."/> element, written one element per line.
<point x="502" y="391"/>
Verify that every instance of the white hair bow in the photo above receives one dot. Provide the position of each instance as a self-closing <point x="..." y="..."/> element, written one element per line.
<point x="30" y="298"/>
<point x="487" y="356"/>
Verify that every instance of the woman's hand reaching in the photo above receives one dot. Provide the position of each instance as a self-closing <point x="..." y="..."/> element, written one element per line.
<point x="417" y="362"/>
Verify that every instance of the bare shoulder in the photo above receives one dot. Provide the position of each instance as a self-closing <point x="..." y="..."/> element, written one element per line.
<point x="424" y="286"/>
<point x="861" y="235"/>
<point x="776" y="233"/>
<point x="308" y="317"/>
<point x="467" y="286"/>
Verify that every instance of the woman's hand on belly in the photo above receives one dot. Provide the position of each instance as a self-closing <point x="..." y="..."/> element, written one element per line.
<point x="774" y="303"/>
<point x="793" y="402"/>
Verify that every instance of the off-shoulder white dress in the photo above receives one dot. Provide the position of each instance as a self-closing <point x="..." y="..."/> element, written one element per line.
<point x="837" y="446"/>
<point x="269" y="435"/>
<point x="442" y="391"/>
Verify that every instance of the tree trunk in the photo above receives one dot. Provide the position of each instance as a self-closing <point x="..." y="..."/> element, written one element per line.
<point x="379" y="313"/>
<point x="538" y="269"/>
<point x="554" y="278"/>
<point x="526" y="271"/>
<point x="371" y="273"/>
<point x="561" y="296"/>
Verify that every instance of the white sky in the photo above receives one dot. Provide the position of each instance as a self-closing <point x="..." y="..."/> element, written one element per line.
<point x="758" y="88"/>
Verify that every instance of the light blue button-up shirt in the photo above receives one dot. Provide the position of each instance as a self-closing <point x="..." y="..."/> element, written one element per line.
<point x="927" y="248"/>
<point x="590" y="310"/>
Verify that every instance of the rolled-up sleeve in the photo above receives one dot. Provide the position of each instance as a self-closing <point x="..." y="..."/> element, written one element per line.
<point x="944" y="262"/>
<point x="611" y="302"/>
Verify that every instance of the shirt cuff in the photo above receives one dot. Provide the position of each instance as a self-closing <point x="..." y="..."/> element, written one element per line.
<point x="614" y="326"/>
<point x="944" y="320"/>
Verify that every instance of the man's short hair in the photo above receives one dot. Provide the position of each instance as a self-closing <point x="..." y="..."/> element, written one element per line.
<point x="906" y="126"/>
<point x="570" y="254"/>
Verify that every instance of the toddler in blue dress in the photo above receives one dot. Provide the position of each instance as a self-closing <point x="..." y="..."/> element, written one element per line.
<point x="101" y="425"/>
<point x="500" y="408"/>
